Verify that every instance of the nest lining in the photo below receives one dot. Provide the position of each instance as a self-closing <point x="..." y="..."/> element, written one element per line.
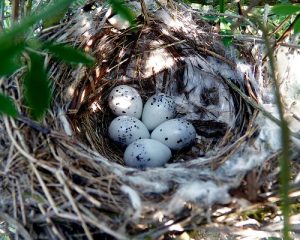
<point x="80" y="178"/>
<point x="208" y="103"/>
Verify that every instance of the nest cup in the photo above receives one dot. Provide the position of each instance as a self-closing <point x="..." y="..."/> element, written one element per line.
<point x="155" y="58"/>
<point x="79" y="172"/>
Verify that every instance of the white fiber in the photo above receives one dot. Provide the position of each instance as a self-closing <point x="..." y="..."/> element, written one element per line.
<point x="65" y="123"/>
<point x="134" y="199"/>
<point x="206" y="193"/>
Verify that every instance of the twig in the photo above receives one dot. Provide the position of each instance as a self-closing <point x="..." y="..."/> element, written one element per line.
<point x="214" y="54"/>
<point x="144" y="10"/>
<point x="50" y="222"/>
<point x="98" y="224"/>
<point x="257" y="106"/>
<point x="32" y="160"/>
<point x="286" y="34"/>
<point x="278" y="28"/>
<point x="20" y="197"/>
<point x="23" y="232"/>
<point x="67" y="192"/>
<point x="34" y="125"/>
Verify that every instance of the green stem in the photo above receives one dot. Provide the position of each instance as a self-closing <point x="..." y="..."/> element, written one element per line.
<point x="28" y="7"/>
<point x="285" y="139"/>
<point x="222" y="6"/>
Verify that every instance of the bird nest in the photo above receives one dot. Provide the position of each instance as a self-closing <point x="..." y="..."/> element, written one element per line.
<point x="67" y="179"/>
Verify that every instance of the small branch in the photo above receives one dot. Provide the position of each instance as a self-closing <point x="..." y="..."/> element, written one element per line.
<point x="287" y="32"/>
<point x="257" y="105"/>
<point x="15" y="10"/>
<point x="280" y="26"/>
<point x="34" y="125"/>
<point x="144" y="10"/>
<point x="285" y="35"/>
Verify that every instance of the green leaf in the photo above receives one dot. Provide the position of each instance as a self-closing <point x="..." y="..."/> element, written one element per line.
<point x="227" y="40"/>
<point x="210" y="18"/>
<point x="9" y="53"/>
<point x="225" y="29"/>
<point x="55" y="19"/>
<point x="69" y="54"/>
<point x="225" y="25"/>
<point x="34" y="197"/>
<point x="19" y="29"/>
<point x="37" y="91"/>
<point x="297" y="26"/>
<point x="12" y="41"/>
<point x="7" y="106"/>
<point x="9" y="66"/>
<point x="286" y="9"/>
<point x="222" y="6"/>
<point x="125" y="12"/>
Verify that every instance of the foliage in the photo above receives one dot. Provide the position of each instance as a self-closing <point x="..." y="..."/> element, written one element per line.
<point x="125" y="12"/>
<point x="16" y="51"/>
<point x="21" y="52"/>
<point x="288" y="10"/>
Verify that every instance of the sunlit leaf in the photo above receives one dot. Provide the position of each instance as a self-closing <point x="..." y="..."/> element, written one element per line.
<point x="225" y="32"/>
<point x="225" y="25"/>
<point x="285" y="9"/>
<point x="297" y="26"/>
<point x="37" y="87"/>
<point x="69" y="54"/>
<point x="125" y="12"/>
<point x="7" y="106"/>
<point x="227" y="37"/>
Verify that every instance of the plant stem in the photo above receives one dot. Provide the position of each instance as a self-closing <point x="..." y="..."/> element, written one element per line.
<point x="285" y="140"/>
<point x="222" y="6"/>
<point x="15" y="10"/>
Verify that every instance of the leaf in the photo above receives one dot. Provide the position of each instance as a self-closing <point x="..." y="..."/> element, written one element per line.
<point x="222" y="6"/>
<point x="225" y="30"/>
<point x="7" y="106"/>
<point x="225" y="24"/>
<point x="34" y="197"/>
<point x="9" y="54"/>
<point x="9" y="66"/>
<point x="55" y="19"/>
<point x="19" y="29"/>
<point x="227" y="40"/>
<point x="286" y="9"/>
<point x="12" y="41"/>
<point x="37" y="91"/>
<point x="69" y="54"/>
<point x="210" y="18"/>
<point x="125" y="12"/>
<point x="297" y="26"/>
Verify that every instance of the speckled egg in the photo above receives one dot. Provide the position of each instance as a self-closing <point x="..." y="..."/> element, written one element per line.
<point x="125" y="130"/>
<point x="145" y="153"/>
<point x="175" y="133"/>
<point x="158" y="109"/>
<point x="124" y="100"/>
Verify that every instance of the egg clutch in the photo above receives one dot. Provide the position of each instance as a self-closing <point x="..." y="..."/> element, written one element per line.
<point x="145" y="149"/>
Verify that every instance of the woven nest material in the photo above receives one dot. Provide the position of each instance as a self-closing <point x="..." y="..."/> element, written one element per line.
<point x="65" y="176"/>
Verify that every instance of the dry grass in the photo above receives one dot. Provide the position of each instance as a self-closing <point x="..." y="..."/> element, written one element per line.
<point x="63" y="184"/>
